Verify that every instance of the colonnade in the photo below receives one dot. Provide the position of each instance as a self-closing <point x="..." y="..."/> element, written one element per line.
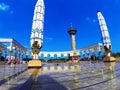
<point x="96" y="49"/>
<point x="13" y="49"/>
<point x="16" y="50"/>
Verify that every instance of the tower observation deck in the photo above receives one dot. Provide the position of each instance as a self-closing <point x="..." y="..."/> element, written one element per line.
<point x="72" y="31"/>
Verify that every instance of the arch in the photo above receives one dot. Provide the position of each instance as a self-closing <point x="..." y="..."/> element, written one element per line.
<point x="62" y="55"/>
<point x="80" y="54"/>
<point x="55" y="56"/>
<point x="48" y="57"/>
<point x="41" y="56"/>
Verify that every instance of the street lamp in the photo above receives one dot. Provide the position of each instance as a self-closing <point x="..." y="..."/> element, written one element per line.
<point x="0" y="54"/>
<point x="5" y="53"/>
<point x="19" y="55"/>
<point x="15" y="53"/>
<point x="26" y="57"/>
<point x="10" y="51"/>
<point x="22" y="55"/>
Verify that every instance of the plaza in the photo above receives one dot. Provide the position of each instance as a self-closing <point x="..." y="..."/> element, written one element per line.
<point x="83" y="76"/>
<point x="92" y="67"/>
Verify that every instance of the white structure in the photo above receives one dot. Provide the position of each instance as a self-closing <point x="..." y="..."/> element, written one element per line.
<point x="65" y="54"/>
<point x="2" y="46"/>
<point x="13" y="44"/>
<point x="37" y="35"/>
<point x="37" y="26"/>
<point x="13" y="48"/>
<point x="16" y="47"/>
<point x="38" y="21"/>
<point x="96" y="47"/>
<point x="104" y="31"/>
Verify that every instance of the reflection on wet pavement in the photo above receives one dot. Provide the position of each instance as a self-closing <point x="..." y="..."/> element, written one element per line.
<point x="83" y="75"/>
<point x="88" y="76"/>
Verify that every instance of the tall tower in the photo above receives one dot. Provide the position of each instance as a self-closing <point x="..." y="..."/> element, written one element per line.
<point x="72" y="31"/>
<point x="37" y="34"/>
<point x="104" y="30"/>
<point x="37" y="29"/>
<point x="105" y="37"/>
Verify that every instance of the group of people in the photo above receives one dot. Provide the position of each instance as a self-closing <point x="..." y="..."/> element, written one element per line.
<point x="2" y="58"/>
<point x="13" y="61"/>
<point x="9" y="61"/>
<point x="92" y="58"/>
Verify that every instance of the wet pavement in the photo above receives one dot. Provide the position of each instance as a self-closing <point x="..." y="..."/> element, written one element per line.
<point x="92" y="76"/>
<point x="85" y="76"/>
<point x="8" y="70"/>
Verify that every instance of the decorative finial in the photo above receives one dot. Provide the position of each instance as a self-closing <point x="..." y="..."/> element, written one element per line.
<point x="71" y="25"/>
<point x="98" y="11"/>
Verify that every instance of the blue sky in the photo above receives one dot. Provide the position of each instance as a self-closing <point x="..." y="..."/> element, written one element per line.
<point x="16" y="22"/>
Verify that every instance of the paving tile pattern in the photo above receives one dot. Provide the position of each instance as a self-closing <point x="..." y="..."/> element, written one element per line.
<point x="89" y="76"/>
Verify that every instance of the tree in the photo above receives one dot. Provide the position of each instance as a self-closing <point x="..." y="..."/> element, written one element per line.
<point x="116" y="54"/>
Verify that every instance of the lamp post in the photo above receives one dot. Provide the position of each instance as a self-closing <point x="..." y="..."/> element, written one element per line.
<point x="19" y="55"/>
<point x="5" y="61"/>
<point x="0" y="54"/>
<point x="22" y="55"/>
<point x="15" y="53"/>
<point x="10" y="51"/>
<point x="19" y="61"/>
<point x="26" y="57"/>
<point x="5" y="54"/>
<point x="9" y="60"/>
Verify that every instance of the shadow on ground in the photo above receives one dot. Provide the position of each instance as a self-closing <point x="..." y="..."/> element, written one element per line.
<point x="43" y="82"/>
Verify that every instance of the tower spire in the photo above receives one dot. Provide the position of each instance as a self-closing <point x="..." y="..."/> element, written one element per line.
<point x="71" y="25"/>
<point x="104" y="30"/>
<point x="106" y="38"/>
<point x="38" y="23"/>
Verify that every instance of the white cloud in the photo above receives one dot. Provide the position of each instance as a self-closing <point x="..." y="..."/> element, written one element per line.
<point x="11" y="12"/>
<point x="91" y="20"/>
<point x="94" y="21"/>
<point x="88" y="18"/>
<point x="4" y="7"/>
<point x="49" y="38"/>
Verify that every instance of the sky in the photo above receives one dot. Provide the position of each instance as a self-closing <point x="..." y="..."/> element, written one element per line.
<point x="16" y="22"/>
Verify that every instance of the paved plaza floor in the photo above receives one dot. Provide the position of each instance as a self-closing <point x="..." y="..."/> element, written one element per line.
<point x="85" y="76"/>
<point x="8" y="70"/>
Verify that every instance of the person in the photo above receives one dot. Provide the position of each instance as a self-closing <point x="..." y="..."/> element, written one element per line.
<point x="93" y="57"/>
<point x="9" y="62"/>
<point x="100" y="58"/>
<point x="16" y="60"/>
<point x="89" y="57"/>
<point x="2" y="58"/>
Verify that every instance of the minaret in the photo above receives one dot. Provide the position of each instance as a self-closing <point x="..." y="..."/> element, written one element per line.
<point x="37" y="26"/>
<point x="37" y="34"/>
<point x="105" y="37"/>
<point x="72" y="31"/>
<point x="104" y="30"/>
